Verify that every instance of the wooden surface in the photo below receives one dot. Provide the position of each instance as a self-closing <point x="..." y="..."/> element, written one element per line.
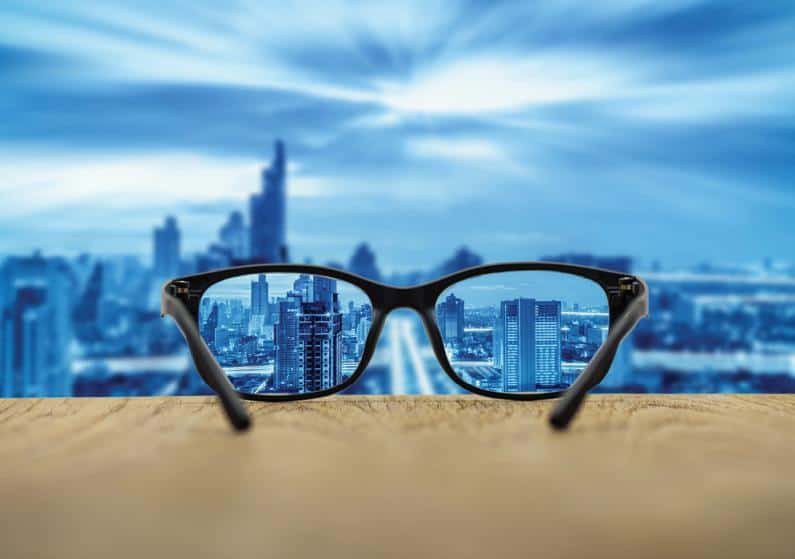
<point x="637" y="476"/>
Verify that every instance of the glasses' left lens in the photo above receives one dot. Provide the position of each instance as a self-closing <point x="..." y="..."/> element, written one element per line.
<point x="283" y="333"/>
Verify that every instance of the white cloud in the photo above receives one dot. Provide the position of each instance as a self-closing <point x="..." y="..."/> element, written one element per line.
<point x="460" y="149"/>
<point x="490" y="83"/>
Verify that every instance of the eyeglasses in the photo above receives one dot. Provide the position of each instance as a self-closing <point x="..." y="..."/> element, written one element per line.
<point x="519" y="331"/>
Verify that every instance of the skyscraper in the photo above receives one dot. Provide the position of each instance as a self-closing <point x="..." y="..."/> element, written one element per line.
<point x="527" y="344"/>
<point x="235" y="237"/>
<point x="517" y="355"/>
<point x="450" y="315"/>
<point x="319" y="347"/>
<point x="166" y="253"/>
<point x="547" y="343"/>
<point x="304" y="287"/>
<point x="268" y="210"/>
<point x="35" y="327"/>
<point x="210" y="325"/>
<point x="25" y="332"/>
<point x="259" y="298"/>
<point x="324" y="290"/>
<point x="285" y="339"/>
<point x="362" y="263"/>
<point x="87" y="312"/>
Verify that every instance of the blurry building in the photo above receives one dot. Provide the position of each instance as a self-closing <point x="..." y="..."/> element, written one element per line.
<point x="166" y="251"/>
<point x="268" y="210"/>
<point x="235" y="236"/>
<point x="35" y="327"/>
<point x="363" y="263"/>
<point x="461" y="260"/>
<point x="615" y="263"/>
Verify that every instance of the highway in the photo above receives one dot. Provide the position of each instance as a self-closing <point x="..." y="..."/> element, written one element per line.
<point x="404" y="362"/>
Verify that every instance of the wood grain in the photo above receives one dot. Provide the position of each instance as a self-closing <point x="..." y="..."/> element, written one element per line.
<point x="636" y="476"/>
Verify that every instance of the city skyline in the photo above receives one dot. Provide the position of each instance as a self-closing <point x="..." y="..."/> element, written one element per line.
<point x="518" y="337"/>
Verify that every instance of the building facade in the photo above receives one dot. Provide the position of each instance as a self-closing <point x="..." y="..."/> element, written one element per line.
<point x="527" y="344"/>
<point x="319" y="347"/>
<point x="450" y="315"/>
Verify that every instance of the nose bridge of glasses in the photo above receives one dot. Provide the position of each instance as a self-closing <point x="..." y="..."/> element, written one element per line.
<point x="416" y="298"/>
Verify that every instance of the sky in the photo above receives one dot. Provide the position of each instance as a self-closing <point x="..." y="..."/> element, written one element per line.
<point x="279" y="285"/>
<point x="659" y="130"/>
<point x="490" y="290"/>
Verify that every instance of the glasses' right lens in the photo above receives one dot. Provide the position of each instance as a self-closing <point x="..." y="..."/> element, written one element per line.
<point x="285" y="333"/>
<point x="522" y="332"/>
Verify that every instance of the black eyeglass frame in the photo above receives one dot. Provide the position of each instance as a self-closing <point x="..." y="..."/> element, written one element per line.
<point x="627" y="297"/>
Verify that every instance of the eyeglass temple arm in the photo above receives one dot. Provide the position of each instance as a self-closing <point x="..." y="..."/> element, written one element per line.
<point x="596" y="370"/>
<point x="205" y="363"/>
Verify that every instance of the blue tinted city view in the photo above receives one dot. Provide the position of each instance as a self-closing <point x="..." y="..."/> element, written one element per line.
<point x="285" y="333"/>
<point x="89" y="325"/>
<point x="528" y="331"/>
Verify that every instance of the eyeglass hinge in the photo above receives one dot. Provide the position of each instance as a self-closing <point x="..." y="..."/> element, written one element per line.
<point x="179" y="288"/>
<point x="628" y="285"/>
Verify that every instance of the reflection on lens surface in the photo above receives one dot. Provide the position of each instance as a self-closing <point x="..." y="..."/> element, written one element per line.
<point x="285" y="333"/>
<point x="522" y="331"/>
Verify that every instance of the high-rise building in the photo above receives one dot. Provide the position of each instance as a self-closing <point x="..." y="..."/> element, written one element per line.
<point x="268" y="209"/>
<point x="86" y="314"/>
<point x="285" y="339"/>
<point x="324" y="290"/>
<point x="210" y="325"/>
<point x="235" y="236"/>
<point x="547" y="343"/>
<point x="304" y="287"/>
<point x="450" y="316"/>
<point x="362" y="263"/>
<point x="25" y="327"/>
<point x="527" y="344"/>
<point x="166" y="251"/>
<point x="319" y="347"/>
<point x="35" y="327"/>
<point x="259" y="298"/>
<point x="362" y="331"/>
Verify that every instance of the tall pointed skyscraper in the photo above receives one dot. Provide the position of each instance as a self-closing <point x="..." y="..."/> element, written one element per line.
<point x="268" y="209"/>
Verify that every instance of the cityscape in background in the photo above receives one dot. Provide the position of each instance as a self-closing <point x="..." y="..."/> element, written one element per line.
<point x="90" y="325"/>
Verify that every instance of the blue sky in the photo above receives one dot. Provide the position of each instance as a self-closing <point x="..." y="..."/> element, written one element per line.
<point x="278" y="286"/>
<point x="657" y="129"/>
<point x="488" y="291"/>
